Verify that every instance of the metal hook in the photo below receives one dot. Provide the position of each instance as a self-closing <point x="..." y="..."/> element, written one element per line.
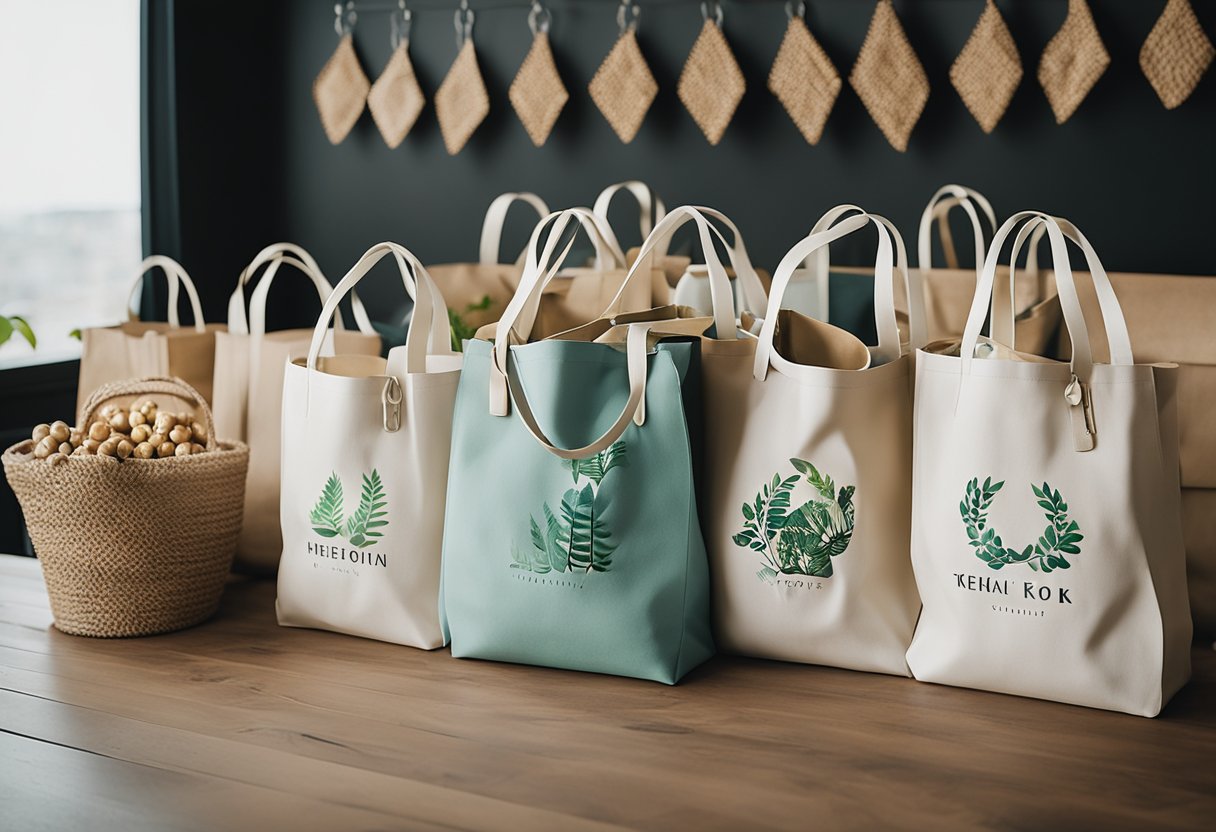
<point x="464" y="24"/>
<point x="539" y="19"/>
<point x="627" y="16"/>
<point x="345" y="27"/>
<point x="793" y="9"/>
<point x="716" y="6"/>
<point x="400" y="23"/>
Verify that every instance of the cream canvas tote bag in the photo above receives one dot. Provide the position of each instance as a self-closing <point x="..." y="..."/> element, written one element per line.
<point x="248" y="390"/>
<point x="135" y="348"/>
<point x="365" y="467"/>
<point x="1047" y="540"/>
<point x="808" y="472"/>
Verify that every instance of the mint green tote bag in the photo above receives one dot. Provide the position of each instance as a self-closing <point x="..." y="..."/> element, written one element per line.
<point x="562" y="549"/>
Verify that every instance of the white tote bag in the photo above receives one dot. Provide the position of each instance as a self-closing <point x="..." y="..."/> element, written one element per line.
<point x="248" y="390"/>
<point x="365" y="467"/>
<point x="1047" y="539"/>
<point x="809" y="478"/>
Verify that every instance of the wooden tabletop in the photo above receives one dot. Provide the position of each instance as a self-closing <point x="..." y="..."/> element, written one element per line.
<point x="241" y="724"/>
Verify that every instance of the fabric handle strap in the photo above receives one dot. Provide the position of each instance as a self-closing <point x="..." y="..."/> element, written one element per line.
<point x="176" y="277"/>
<point x="648" y="202"/>
<point x="496" y="215"/>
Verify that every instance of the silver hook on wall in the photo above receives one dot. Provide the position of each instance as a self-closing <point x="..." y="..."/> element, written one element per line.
<point x="400" y="29"/>
<point x="627" y="16"/>
<point x="793" y="9"/>
<point x="712" y="9"/>
<point x="345" y="18"/>
<point x="464" y="24"/>
<point x="539" y="18"/>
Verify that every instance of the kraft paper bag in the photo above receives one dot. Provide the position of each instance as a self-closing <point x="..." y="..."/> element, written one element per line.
<point x="1046" y="533"/>
<point x="248" y="390"/>
<point x="365" y="468"/>
<point x="572" y="538"/>
<point x="809" y="476"/>
<point x="136" y="348"/>
<point x="1199" y="533"/>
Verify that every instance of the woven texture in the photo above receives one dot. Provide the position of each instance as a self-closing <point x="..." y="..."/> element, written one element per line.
<point x="711" y="84"/>
<point x="340" y="91"/>
<point x="624" y="87"/>
<point x="461" y="104"/>
<point x="889" y="78"/>
<point x="537" y="93"/>
<point x="396" y="99"/>
<point x="804" y="80"/>
<point x="1176" y="54"/>
<point x="1072" y="62"/>
<point x="135" y="547"/>
<point x="988" y="70"/>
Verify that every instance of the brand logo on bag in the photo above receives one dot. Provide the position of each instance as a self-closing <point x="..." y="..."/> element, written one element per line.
<point x="362" y="529"/>
<point x="1048" y="554"/>
<point x="574" y="538"/>
<point x="802" y="541"/>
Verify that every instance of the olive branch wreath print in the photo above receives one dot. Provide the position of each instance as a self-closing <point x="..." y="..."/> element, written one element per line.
<point x="1047" y="554"/>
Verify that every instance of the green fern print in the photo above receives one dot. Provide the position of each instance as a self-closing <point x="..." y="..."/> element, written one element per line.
<point x="1047" y="554"/>
<point x="574" y="537"/>
<point x="800" y="541"/>
<point x="362" y="529"/>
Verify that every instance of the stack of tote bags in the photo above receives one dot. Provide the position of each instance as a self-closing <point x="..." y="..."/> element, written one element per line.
<point x="621" y="494"/>
<point x="248" y="389"/>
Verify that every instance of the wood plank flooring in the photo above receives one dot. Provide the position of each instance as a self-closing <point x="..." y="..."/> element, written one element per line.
<point x="241" y="724"/>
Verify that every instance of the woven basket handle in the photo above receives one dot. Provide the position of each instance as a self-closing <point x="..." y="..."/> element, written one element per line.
<point x="147" y="386"/>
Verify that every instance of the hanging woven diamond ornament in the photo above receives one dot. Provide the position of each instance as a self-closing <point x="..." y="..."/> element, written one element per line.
<point x="803" y="77"/>
<point x="988" y="70"/>
<point x="396" y="99"/>
<point x="1176" y="54"/>
<point x="1072" y="62"/>
<point x="711" y="84"/>
<point x="340" y="90"/>
<point x="889" y="78"/>
<point x="537" y="93"/>
<point x="461" y="104"/>
<point x="623" y="87"/>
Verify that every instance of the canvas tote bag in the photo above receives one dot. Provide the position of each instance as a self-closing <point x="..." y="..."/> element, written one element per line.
<point x="650" y="204"/>
<point x="948" y="291"/>
<point x="572" y="538"/>
<point x="809" y="476"/>
<point x="248" y="389"/>
<point x="136" y="348"/>
<point x="1046" y="537"/>
<point x="365" y="465"/>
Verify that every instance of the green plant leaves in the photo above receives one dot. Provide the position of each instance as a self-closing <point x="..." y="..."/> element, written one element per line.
<point x="326" y="515"/>
<point x="596" y="467"/>
<point x="15" y="323"/>
<point x="1047" y="554"/>
<point x="462" y="331"/>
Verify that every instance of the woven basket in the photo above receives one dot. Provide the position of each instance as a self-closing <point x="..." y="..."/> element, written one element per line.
<point x="135" y="547"/>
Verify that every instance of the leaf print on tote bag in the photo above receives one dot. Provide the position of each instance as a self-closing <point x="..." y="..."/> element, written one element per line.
<point x="364" y="527"/>
<point x="1046" y="555"/>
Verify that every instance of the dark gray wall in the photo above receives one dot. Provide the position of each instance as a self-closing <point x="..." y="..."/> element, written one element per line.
<point x="1137" y="178"/>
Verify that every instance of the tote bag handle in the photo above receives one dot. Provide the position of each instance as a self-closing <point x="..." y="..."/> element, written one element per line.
<point x="888" y="348"/>
<point x="648" y="202"/>
<point x="938" y="209"/>
<point x="273" y="256"/>
<point x="721" y="297"/>
<point x="496" y="215"/>
<point x="420" y="340"/>
<point x="176" y="276"/>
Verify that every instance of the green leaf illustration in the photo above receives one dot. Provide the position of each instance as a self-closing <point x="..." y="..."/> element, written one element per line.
<point x="326" y="515"/>
<point x="1047" y="554"/>
<point x="363" y="528"/>
<point x="597" y="466"/>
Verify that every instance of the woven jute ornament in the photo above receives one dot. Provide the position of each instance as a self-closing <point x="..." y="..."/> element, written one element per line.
<point x="889" y="78"/>
<point x="537" y="93"/>
<point x="461" y="104"/>
<point x="624" y="87"/>
<point x="988" y="70"/>
<point x="139" y="546"/>
<point x="1072" y="62"/>
<point x="1176" y="54"/>
<point x="711" y="84"/>
<point x="340" y="91"/>
<point x="804" y="80"/>
<point x="396" y="99"/>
